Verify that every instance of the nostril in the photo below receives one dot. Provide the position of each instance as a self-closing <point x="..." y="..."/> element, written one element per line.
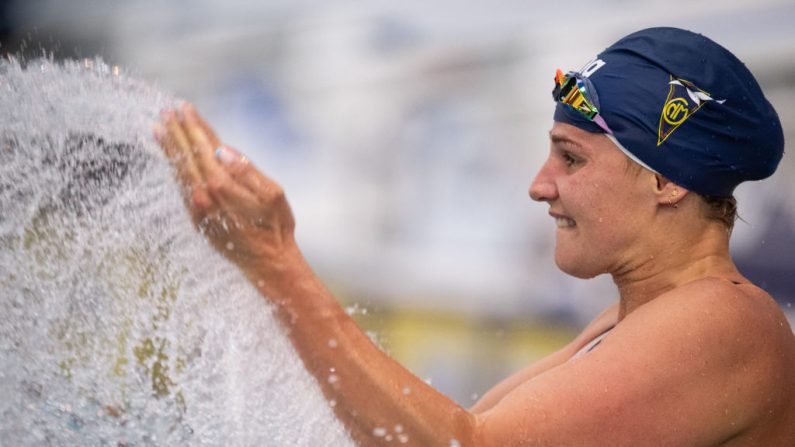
<point x="541" y="191"/>
<point x="543" y="187"/>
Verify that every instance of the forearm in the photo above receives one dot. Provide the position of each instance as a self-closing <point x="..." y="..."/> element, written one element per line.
<point x="237" y="206"/>
<point x="373" y="395"/>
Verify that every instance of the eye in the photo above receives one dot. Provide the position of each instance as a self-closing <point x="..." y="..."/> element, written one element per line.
<point x="569" y="159"/>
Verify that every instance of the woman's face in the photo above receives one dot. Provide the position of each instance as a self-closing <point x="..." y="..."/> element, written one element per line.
<point x="602" y="208"/>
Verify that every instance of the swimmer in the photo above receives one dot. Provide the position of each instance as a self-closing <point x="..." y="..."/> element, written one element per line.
<point x="648" y="143"/>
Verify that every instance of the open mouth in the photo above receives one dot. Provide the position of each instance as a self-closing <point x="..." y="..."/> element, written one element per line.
<point x="564" y="222"/>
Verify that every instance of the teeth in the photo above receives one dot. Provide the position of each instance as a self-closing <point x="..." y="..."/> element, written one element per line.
<point x="563" y="222"/>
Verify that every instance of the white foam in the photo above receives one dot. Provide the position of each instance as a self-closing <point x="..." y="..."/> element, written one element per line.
<point x="118" y="324"/>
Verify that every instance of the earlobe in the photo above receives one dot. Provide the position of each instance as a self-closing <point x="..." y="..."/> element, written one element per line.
<point x="669" y="193"/>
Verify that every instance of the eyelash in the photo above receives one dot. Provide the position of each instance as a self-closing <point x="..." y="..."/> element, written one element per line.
<point x="569" y="159"/>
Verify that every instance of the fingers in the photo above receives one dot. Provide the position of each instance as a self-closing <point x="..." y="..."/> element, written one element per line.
<point x="175" y="143"/>
<point x="202" y="144"/>
<point x="218" y="177"/>
<point x="220" y="184"/>
<point x="178" y="147"/>
<point x="189" y="109"/>
<point x="244" y="172"/>
<point x="264" y="196"/>
<point x="173" y="153"/>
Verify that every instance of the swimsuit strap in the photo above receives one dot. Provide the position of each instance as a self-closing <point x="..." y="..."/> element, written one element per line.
<point x="592" y="344"/>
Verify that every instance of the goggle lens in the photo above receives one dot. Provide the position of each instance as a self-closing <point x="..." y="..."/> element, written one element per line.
<point x="573" y="91"/>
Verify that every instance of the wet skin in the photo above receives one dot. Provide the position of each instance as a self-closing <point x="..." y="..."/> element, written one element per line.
<point x="698" y="357"/>
<point x="590" y="191"/>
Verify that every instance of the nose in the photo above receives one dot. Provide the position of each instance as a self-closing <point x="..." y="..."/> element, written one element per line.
<point x="543" y="187"/>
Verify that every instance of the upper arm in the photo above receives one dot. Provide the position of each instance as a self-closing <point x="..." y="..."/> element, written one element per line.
<point x="672" y="371"/>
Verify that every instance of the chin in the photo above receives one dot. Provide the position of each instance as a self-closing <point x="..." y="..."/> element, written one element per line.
<point x="575" y="267"/>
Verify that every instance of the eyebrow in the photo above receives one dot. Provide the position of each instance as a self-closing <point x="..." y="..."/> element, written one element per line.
<point x="557" y="138"/>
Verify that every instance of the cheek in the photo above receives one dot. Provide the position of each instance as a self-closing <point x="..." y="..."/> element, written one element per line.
<point x="617" y="224"/>
<point x="605" y="210"/>
<point x="590" y="201"/>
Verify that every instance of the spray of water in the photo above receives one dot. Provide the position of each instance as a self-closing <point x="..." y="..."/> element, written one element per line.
<point x="119" y="325"/>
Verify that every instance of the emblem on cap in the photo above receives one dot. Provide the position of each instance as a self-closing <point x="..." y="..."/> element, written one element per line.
<point x="684" y="99"/>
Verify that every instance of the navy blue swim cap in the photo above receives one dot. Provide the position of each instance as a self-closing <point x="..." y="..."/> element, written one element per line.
<point x="683" y="106"/>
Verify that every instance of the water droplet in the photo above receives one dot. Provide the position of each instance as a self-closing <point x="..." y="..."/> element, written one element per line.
<point x="373" y="336"/>
<point x="403" y="438"/>
<point x="230" y="246"/>
<point x="454" y="443"/>
<point x="355" y="309"/>
<point x="333" y="378"/>
<point x="332" y="343"/>
<point x="379" y="432"/>
<point x="145" y="333"/>
<point x="398" y="428"/>
<point x="406" y="390"/>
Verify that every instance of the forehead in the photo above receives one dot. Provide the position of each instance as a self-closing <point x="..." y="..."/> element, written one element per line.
<point x="566" y="133"/>
<point x="594" y="146"/>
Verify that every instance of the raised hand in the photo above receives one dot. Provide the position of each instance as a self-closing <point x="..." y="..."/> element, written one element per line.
<point x="246" y="217"/>
<point x="242" y="212"/>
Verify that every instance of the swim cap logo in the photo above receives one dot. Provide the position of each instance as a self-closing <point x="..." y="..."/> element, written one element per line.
<point x="684" y="99"/>
<point x="591" y="67"/>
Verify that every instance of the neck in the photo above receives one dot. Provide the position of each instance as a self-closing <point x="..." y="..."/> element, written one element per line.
<point x="672" y="263"/>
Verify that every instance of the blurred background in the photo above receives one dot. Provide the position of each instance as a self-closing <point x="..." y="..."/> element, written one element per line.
<point x="406" y="135"/>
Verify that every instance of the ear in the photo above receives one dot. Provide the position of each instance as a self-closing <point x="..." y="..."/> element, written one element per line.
<point x="667" y="192"/>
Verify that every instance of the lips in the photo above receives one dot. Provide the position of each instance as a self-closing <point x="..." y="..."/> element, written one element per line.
<point x="562" y="221"/>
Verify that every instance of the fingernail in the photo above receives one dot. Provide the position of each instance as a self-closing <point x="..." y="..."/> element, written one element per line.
<point x="181" y="109"/>
<point x="159" y="132"/>
<point x="168" y="115"/>
<point x="226" y="155"/>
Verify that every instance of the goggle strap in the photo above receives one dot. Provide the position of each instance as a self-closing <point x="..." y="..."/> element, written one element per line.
<point x="602" y="123"/>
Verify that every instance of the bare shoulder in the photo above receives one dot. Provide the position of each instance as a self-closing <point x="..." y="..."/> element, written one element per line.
<point x="711" y="358"/>
<point x="724" y="307"/>
<point x="727" y="322"/>
<point x="742" y="341"/>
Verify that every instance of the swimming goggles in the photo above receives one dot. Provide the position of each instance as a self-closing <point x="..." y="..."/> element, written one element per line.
<point x="578" y="92"/>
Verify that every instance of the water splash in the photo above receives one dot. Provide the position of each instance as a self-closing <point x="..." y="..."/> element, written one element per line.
<point x="118" y="324"/>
